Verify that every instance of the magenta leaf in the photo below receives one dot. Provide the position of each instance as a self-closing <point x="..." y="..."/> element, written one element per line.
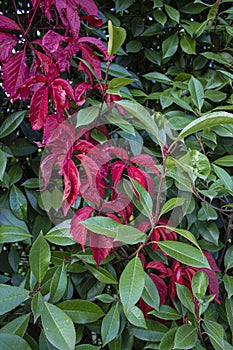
<point x="15" y="73"/>
<point x="39" y="108"/>
<point x="50" y="69"/>
<point x="78" y="231"/>
<point x="93" y="20"/>
<point x="60" y="89"/>
<point x="100" y="246"/>
<point x="161" y="286"/>
<point x="88" y="6"/>
<point x="117" y="171"/>
<point x="68" y="11"/>
<point x="72" y="185"/>
<point x="79" y="90"/>
<point x="7" y="42"/>
<point x="52" y="40"/>
<point x="137" y="175"/>
<point x="89" y="56"/>
<point x="51" y="123"/>
<point x="7" y="24"/>
<point x="90" y="40"/>
<point x="146" y="161"/>
<point x="45" y="6"/>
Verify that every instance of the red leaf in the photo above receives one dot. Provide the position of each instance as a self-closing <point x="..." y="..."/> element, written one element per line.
<point x="52" y="40"/>
<point x="118" y="152"/>
<point x="15" y="73"/>
<point x="211" y="261"/>
<point x="60" y="89"/>
<point x="144" y="307"/>
<point x="146" y="161"/>
<point x="100" y="246"/>
<point x="86" y="70"/>
<point x="39" y="108"/>
<point x="50" y="68"/>
<point x="79" y="90"/>
<point x="46" y="168"/>
<point x="157" y="265"/>
<point x="72" y="185"/>
<point x="89" y="193"/>
<point x="7" y="42"/>
<point x="91" y="168"/>
<point x="93" y="20"/>
<point x="78" y="231"/>
<point x="83" y="146"/>
<point x="89" y="6"/>
<point x="98" y="43"/>
<point x="213" y="283"/>
<point x="7" y="24"/>
<point x="89" y="56"/>
<point x="116" y="205"/>
<point x="161" y="286"/>
<point x="51" y="123"/>
<point x="117" y="171"/>
<point x="137" y="175"/>
<point x="45" y="6"/>
<point x="68" y="12"/>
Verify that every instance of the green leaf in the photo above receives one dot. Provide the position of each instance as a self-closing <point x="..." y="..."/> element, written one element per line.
<point x="87" y="347"/>
<point x="185" y="297"/>
<point x="12" y="341"/>
<point x="197" y="92"/>
<point x="159" y="77"/>
<point x="184" y="253"/>
<point x="135" y="316"/>
<point x="11" y="297"/>
<point x="18" y="203"/>
<point x="39" y="258"/>
<point x="133" y="46"/>
<point x="81" y="311"/>
<point x="37" y="306"/>
<point x="58" y="327"/>
<point x="10" y="234"/>
<point x="155" y="330"/>
<point x="129" y="235"/>
<point x="122" y="5"/>
<point x="150" y="293"/>
<point x="18" y="326"/>
<point x="116" y="83"/>
<point x="170" y="46"/>
<point x="132" y="282"/>
<point x="188" y="44"/>
<point x="186" y="337"/>
<point x="206" y="213"/>
<point x="145" y="198"/>
<point x="228" y="258"/>
<point x="200" y="283"/>
<point x="173" y="13"/>
<point x="101" y="274"/>
<point x="11" y="123"/>
<point x="142" y="115"/>
<point x="229" y="311"/>
<point x="111" y="324"/>
<point x="102" y="225"/>
<point x="117" y="36"/>
<point x="171" y="204"/>
<point x="58" y="284"/>
<point x="166" y="312"/>
<point x="3" y="162"/>
<point x="206" y="121"/>
<point x="60" y="234"/>
<point x="228" y="283"/>
<point x="225" y="161"/>
<point x="86" y="116"/>
<point x="224" y="176"/>
<point x="167" y="341"/>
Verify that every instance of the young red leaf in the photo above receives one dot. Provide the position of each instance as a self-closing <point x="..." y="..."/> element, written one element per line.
<point x="211" y="261"/>
<point x="45" y="6"/>
<point x="93" y="20"/>
<point x="15" y="73"/>
<point x="46" y="168"/>
<point x="68" y="11"/>
<point x="78" y="231"/>
<point x="213" y="283"/>
<point x="98" y="43"/>
<point x="7" y="24"/>
<point x="7" y="42"/>
<point x="137" y="175"/>
<point x="88" y="6"/>
<point x="61" y="88"/>
<point x="79" y="90"/>
<point x="100" y="246"/>
<point x="39" y="108"/>
<point x="146" y="161"/>
<point x="52" y="40"/>
<point x="117" y="171"/>
<point x="92" y="170"/>
<point x="49" y="66"/>
<point x="51" y="123"/>
<point x="161" y="286"/>
<point x="72" y="185"/>
<point x="88" y="55"/>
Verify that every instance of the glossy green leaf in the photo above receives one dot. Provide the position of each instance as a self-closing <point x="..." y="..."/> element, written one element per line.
<point x="3" y="162"/>
<point x="87" y="347"/>
<point x="224" y="176"/>
<point x="117" y="37"/>
<point x="129" y="235"/>
<point x="167" y="341"/>
<point x="206" y="121"/>
<point x="188" y="44"/>
<point x="228" y="258"/>
<point x="58" y="284"/>
<point x="11" y="297"/>
<point x="135" y="316"/>
<point x="225" y="161"/>
<point x="10" y="234"/>
<point x="111" y="324"/>
<point x="171" y="204"/>
<point x="102" y="225"/>
<point x="159" y="77"/>
<point x="144" y="198"/>
<point x="197" y="92"/>
<point x="81" y="311"/>
<point x="58" y="327"/>
<point x="172" y="13"/>
<point x="116" y="83"/>
<point x="11" y="123"/>
<point x="228" y="283"/>
<point x="132" y="282"/>
<point x="186" y="337"/>
<point x="60" y="234"/>
<point x="39" y="258"/>
<point x="170" y="46"/>
<point x="12" y="341"/>
<point x="166" y="312"/>
<point x="155" y="330"/>
<point x="229" y="312"/>
<point x="18" y="326"/>
<point x="87" y="115"/>
<point x="133" y="46"/>
<point x="122" y="5"/>
<point x="150" y="293"/>
<point x="185" y="297"/>
<point x="184" y="253"/>
<point x="102" y="274"/>
<point x="200" y="283"/>
<point x="18" y="203"/>
<point x="37" y="305"/>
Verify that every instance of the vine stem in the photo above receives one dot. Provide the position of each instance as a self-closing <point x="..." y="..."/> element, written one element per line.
<point x="32" y="18"/>
<point x="18" y="19"/>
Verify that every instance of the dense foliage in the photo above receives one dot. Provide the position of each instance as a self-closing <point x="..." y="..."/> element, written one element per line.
<point x="116" y="156"/>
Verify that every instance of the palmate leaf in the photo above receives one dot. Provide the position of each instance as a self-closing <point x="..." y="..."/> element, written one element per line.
<point x="7" y="24"/>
